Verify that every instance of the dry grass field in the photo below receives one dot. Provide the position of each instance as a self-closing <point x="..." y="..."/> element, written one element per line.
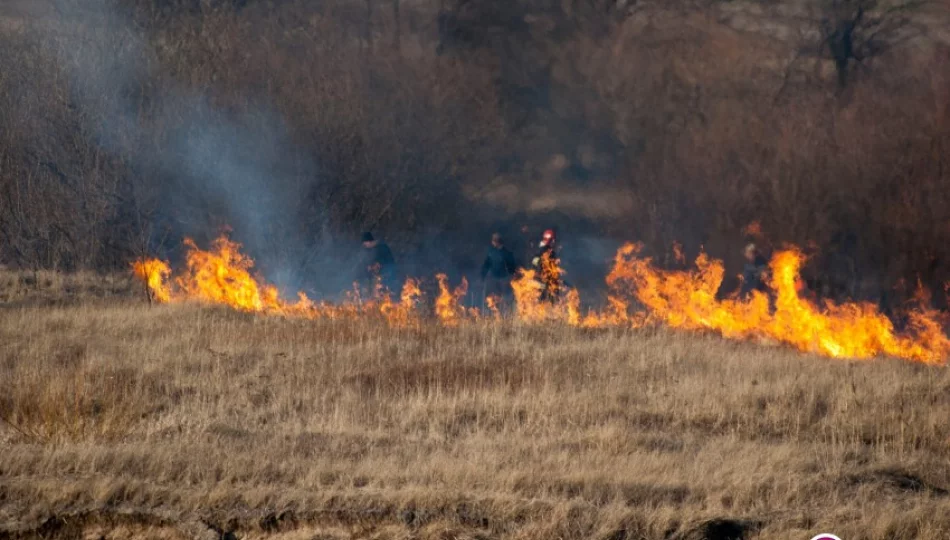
<point x="123" y="420"/>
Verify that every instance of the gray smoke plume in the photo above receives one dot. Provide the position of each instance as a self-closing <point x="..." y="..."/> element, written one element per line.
<point x="215" y="168"/>
<point x="209" y="164"/>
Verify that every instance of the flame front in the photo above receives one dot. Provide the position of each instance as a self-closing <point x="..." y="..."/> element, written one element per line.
<point x="854" y="330"/>
<point x="639" y="294"/>
<point x="688" y="300"/>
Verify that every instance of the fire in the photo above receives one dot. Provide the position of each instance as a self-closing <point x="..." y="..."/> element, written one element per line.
<point x="222" y="276"/>
<point x="688" y="300"/>
<point x="154" y="273"/>
<point x="854" y="330"/>
<point x="448" y="305"/>
<point x="617" y="311"/>
<point x="678" y="254"/>
<point x="403" y="313"/>
<point x="538" y="298"/>
<point x="638" y="294"/>
<point x="551" y="276"/>
<point x="684" y="298"/>
<point x="527" y="290"/>
<point x="493" y="303"/>
<point x="541" y="295"/>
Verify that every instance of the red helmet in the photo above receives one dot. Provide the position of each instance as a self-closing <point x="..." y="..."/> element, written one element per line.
<point x="548" y="237"/>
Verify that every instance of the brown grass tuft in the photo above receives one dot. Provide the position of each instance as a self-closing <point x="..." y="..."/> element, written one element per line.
<point x="182" y="422"/>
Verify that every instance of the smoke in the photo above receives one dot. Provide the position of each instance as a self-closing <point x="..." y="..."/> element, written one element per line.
<point x="208" y="163"/>
<point x="208" y="166"/>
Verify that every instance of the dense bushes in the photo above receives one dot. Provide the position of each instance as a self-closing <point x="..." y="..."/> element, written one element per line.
<point x="299" y="124"/>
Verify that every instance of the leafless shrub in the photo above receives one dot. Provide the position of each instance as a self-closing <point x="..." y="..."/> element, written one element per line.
<point x="421" y="139"/>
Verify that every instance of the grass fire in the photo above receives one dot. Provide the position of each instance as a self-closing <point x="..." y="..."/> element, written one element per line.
<point x="474" y="270"/>
<point x="125" y="420"/>
<point x="640" y="294"/>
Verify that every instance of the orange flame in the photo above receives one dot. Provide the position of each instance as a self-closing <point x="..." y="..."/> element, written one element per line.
<point x="551" y="275"/>
<point x="527" y="291"/>
<point x="854" y="330"/>
<point x="638" y="294"/>
<point x="687" y="299"/>
<point x="540" y="295"/>
<point x="448" y="305"/>
<point x="678" y="254"/>
<point x="222" y="276"/>
<point x="403" y="313"/>
<point x="617" y="310"/>
<point x="154" y="273"/>
<point x="494" y="306"/>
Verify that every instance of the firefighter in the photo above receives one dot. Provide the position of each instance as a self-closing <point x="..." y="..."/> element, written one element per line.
<point x="377" y="263"/>
<point x="498" y="270"/>
<point x="547" y="246"/>
<point x="754" y="271"/>
<point x="547" y="266"/>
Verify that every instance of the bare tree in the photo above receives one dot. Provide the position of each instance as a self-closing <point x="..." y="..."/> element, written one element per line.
<point x="854" y="31"/>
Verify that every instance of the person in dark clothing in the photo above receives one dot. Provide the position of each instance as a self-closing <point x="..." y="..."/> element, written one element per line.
<point x="753" y="272"/>
<point x="498" y="270"/>
<point x="377" y="263"/>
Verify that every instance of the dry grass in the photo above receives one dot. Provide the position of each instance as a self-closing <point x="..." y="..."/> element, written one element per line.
<point x="124" y="420"/>
<point x="44" y="287"/>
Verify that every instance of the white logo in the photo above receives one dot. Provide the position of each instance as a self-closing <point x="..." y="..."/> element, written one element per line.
<point x="825" y="536"/>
